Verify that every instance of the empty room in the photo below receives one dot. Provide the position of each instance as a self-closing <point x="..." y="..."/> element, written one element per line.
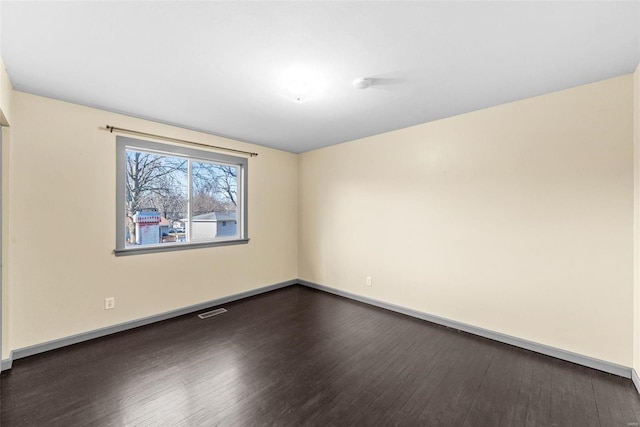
<point x="348" y="213"/>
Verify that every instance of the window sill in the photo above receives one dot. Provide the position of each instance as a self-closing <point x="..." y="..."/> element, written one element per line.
<point x="177" y="247"/>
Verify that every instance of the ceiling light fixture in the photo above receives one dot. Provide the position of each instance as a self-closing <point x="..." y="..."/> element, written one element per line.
<point x="362" y="83"/>
<point x="299" y="88"/>
<point x="302" y="83"/>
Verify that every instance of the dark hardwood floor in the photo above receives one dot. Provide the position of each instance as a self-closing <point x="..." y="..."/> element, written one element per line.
<point x="297" y="356"/>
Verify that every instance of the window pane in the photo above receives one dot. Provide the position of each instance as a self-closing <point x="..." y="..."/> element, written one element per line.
<point x="155" y="198"/>
<point x="214" y="200"/>
<point x="172" y="197"/>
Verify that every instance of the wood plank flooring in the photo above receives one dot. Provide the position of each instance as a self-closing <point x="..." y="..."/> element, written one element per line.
<point x="297" y="356"/>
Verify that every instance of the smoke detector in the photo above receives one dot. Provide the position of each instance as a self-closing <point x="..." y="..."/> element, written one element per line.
<point x="361" y="83"/>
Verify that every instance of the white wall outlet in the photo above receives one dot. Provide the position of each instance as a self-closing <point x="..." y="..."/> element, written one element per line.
<point x="369" y="281"/>
<point x="109" y="303"/>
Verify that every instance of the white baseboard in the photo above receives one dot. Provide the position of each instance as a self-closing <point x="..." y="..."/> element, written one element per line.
<point x="635" y="379"/>
<point x="6" y="363"/>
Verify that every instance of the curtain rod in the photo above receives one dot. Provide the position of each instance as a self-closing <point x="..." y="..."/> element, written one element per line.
<point x="111" y="129"/>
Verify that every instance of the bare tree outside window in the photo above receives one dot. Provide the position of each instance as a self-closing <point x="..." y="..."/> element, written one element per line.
<point x="157" y="182"/>
<point x="214" y="187"/>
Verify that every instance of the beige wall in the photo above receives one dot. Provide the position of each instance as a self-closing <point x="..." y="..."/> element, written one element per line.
<point x="5" y="114"/>
<point x="517" y="218"/>
<point x="62" y="207"/>
<point x="5" y="241"/>
<point x="636" y="216"/>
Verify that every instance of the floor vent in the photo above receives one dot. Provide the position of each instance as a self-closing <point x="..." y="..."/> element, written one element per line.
<point x="212" y="313"/>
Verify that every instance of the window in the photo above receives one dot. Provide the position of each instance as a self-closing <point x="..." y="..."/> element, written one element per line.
<point x="171" y="197"/>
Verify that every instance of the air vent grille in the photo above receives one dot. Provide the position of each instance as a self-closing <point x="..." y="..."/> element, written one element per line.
<point x="212" y="313"/>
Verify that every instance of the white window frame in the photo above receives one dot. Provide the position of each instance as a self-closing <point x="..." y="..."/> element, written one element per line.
<point x="125" y="143"/>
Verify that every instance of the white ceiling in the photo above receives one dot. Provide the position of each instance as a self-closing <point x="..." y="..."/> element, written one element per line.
<point x="222" y="67"/>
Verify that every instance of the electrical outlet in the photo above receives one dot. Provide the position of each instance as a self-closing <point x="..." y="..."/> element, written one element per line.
<point x="369" y="281"/>
<point x="109" y="303"/>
